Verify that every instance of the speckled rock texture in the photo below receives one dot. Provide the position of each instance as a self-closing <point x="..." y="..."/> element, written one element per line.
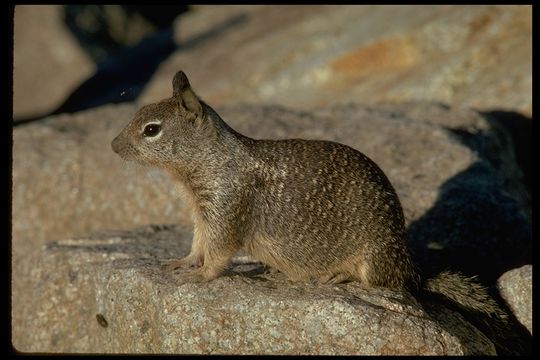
<point x="109" y="293"/>
<point x="515" y="287"/>
<point x="451" y="167"/>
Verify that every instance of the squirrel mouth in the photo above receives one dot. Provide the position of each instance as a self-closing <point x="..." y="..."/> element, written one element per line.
<point x="125" y="150"/>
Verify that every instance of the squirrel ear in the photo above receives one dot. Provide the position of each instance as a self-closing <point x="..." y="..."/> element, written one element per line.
<point x="182" y="91"/>
<point x="180" y="82"/>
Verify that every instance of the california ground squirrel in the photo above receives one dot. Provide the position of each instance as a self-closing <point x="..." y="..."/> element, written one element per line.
<point x="310" y="209"/>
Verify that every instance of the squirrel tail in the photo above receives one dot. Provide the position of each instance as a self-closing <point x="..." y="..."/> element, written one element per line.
<point x="466" y="293"/>
<point x="477" y="306"/>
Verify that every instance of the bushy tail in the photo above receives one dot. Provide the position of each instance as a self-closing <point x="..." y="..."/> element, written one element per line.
<point x="466" y="293"/>
<point x="475" y="304"/>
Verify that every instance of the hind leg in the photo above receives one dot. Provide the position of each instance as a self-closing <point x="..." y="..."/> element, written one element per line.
<point x="391" y="268"/>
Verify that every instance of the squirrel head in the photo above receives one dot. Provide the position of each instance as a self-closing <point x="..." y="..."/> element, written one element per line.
<point x="173" y="133"/>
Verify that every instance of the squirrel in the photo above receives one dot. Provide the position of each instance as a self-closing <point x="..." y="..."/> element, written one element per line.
<point x="311" y="209"/>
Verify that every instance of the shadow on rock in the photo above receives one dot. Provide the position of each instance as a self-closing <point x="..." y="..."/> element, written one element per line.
<point x="103" y="30"/>
<point x="479" y="226"/>
<point x="520" y="128"/>
<point x="475" y="228"/>
<point x="123" y="76"/>
<point x="480" y="223"/>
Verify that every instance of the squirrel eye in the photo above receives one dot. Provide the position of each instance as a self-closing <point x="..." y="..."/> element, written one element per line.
<point x="151" y="130"/>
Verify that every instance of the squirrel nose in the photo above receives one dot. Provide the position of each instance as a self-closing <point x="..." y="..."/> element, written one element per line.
<point x="115" y="144"/>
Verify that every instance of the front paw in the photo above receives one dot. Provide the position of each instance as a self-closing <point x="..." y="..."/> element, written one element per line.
<point x="192" y="277"/>
<point x="176" y="264"/>
<point x="184" y="263"/>
<point x="195" y="276"/>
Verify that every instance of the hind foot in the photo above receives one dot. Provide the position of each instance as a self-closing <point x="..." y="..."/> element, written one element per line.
<point x="333" y="278"/>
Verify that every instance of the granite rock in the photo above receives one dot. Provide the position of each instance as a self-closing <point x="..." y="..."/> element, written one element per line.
<point x="515" y="286"/>
<point x="108" y="293"/>
<point x="305" y="56"/>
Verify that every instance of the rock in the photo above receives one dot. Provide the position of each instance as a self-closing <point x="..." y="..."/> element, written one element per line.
<point x="515" y="287"/>
<point x="108" y="293"/>
<point x="470" y="56"/>
<point x="45" y="50"/>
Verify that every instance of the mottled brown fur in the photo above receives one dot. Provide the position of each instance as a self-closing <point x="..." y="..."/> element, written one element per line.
<point x="311" y="209"/>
